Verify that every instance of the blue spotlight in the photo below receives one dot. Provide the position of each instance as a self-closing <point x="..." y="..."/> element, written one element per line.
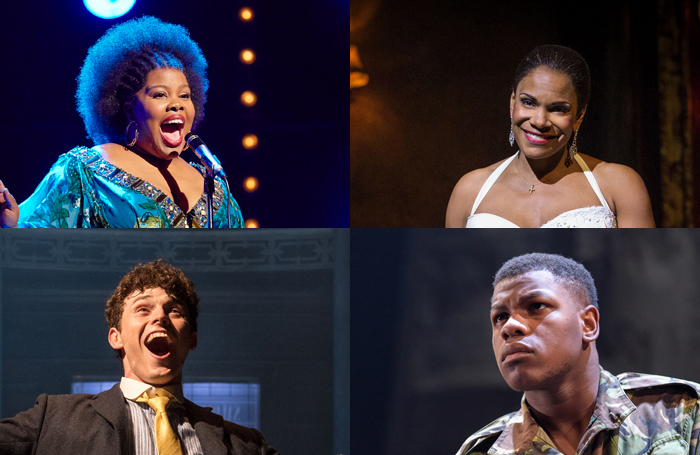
<point x="109" y="9"/>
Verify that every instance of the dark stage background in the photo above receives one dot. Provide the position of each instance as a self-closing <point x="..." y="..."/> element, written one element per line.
<point x="301" y="117"/>
<point x="273" y="310"/>
<point x="437" y="102"/>
<point x="423" y="375"/>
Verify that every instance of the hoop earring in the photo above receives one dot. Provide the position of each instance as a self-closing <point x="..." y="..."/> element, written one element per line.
<point x="126" y="134"/>
<point x="573" y="151"/>
<point x="511" y="137"/>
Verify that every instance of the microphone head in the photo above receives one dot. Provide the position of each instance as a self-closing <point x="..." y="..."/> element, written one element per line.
<point x="205" y="156"/>
<point x="193" y="141"/>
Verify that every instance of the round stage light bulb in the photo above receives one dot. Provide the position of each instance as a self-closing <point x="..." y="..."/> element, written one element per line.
<point x="246" y="14"/>
<point x="250" y="141"/>
<point x="251" y="184"/>
<point x="247" y="56"/>
<point x="109" y="9"/>
<point x="252" y="223"/>
<point x="249" y="98"/>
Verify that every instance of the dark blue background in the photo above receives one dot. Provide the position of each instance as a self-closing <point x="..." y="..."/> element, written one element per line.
<point x="300" y="77"/>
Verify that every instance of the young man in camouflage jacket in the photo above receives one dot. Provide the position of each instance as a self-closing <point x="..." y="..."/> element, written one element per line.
<point x="544" y="314"/>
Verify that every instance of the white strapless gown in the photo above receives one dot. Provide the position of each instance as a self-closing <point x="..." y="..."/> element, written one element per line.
<point x="598" y="216"/>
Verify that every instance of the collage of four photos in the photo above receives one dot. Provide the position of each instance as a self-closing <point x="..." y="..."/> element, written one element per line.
<point x="329" y="312"/>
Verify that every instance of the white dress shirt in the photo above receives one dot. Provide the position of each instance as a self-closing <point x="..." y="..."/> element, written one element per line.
<point x="143" y="419"/>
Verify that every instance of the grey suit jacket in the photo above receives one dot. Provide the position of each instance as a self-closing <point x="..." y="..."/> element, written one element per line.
<point x="98" y="424"/>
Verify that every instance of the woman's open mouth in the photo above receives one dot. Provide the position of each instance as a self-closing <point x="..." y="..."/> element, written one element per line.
<point x="171" y="130"/>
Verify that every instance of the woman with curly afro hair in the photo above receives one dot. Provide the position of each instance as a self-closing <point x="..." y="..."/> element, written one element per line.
<point x="141" y="89"/>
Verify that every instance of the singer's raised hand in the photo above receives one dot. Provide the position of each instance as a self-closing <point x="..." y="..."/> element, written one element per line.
<point x="9" y="210"/>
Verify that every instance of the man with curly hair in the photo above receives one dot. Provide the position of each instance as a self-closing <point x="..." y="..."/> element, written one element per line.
<point x="141" y="89"/>
<point x="545" y="320"/>
<point x="152" y="318"/>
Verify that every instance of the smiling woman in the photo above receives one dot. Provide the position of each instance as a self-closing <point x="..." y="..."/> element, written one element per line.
<point x="547" y="183"/>
<point x="141" y="89"/>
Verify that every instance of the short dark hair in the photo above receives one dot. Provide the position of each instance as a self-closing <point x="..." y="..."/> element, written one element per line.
<point x="564" y="60"/>
<point x="156" y="274"/>
<point x="573" y="275"/>
<point x="117" y="65"/>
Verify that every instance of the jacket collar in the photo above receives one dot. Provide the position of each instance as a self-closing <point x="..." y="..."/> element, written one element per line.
<point x="521" y="431"/>
<point x="209" y="428"/>
<point x="110" y="405"/>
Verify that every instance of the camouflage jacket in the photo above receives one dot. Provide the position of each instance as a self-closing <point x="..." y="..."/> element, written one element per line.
<point x="634" y="414"/>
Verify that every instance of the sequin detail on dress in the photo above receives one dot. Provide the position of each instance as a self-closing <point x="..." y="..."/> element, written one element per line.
<point x="84" y="190"/>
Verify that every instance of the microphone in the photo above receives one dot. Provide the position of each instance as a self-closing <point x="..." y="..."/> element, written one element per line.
<point x="205" y="156"/>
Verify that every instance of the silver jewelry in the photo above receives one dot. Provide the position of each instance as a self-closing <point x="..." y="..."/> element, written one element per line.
<point x="511" y="137"/>
<point x="126" y="134"/>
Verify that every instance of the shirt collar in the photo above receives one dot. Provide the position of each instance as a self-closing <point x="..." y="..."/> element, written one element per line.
<point x="133" y="389"/>
<point x="612" y="406"/>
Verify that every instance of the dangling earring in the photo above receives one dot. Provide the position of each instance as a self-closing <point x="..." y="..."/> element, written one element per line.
<point x="572" y="151"/>
<point x="126" y="134"/>
<point x="511" y="137"/>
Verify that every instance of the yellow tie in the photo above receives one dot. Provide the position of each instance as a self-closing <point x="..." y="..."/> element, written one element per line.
<point x="166" y="439"/>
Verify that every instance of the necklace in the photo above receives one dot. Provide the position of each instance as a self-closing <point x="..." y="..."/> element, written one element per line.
<point x="532" y="185"/>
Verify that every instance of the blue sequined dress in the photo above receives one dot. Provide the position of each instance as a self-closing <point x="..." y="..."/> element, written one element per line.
<point x="84" y="190"/>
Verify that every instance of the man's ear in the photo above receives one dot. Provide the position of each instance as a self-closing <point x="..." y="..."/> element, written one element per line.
<point x="589" y="319"/>
<point x="115" y="339"/>
<point x="193" y="341"/>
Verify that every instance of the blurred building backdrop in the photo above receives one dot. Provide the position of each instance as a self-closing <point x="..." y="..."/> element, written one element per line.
<point x="273" y="312"/>
<point x="423" y="373"/>
<point x="432" y="87"/>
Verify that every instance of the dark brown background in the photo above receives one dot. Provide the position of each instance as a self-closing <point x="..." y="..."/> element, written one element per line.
<point x="436" y="106"/>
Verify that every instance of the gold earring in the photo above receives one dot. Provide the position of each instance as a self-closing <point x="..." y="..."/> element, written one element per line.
<point x="126" y="134"/>
<point x="572" y="151"/>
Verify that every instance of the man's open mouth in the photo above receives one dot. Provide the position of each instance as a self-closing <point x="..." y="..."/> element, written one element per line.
<point x="159" y="344"/>
<point x="171" y="130"/>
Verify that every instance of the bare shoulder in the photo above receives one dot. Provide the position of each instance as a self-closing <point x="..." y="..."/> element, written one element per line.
<point x="464" y="194"/>
<point x="472" y="182"/>
<point x="109" y="151"/>
<point x="614" y="177"/>
<point x="625" y="191"/>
